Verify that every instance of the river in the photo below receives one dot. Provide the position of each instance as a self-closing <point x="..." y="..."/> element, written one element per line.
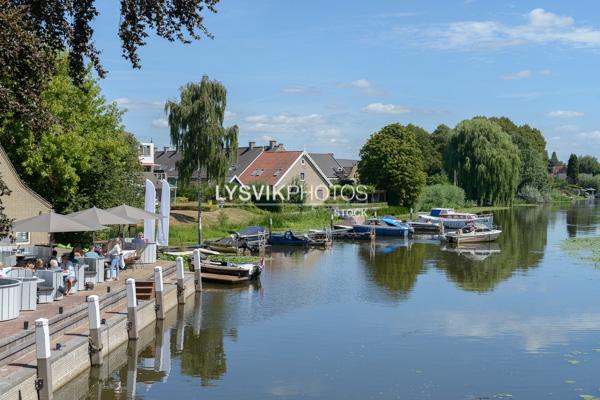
<point x="516" y="319"/>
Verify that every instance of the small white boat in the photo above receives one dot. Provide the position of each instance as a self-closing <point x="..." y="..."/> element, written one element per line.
<point x="473" y="234"/>
<point x="454" y="220"/>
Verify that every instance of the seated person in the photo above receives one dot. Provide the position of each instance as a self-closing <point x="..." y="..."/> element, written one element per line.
<point x="69" y="278"/>
<point x="54" y="256"/>
<point x="39" y="264"/>
<point x="76" y="252"/>
<point x="53" y="264"/>
<point x="139" y="239"/>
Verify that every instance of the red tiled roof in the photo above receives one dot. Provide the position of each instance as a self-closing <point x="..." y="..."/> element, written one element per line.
<point x="269" y="167"/>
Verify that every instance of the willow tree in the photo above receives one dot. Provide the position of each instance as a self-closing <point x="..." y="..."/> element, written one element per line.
<point x="484" y="161"/>
<point x="197" y="132"/>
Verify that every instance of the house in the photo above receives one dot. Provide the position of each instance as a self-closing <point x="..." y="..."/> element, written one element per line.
<point x="22" y="203"/>
<point x="163" y="163"/>
<point x="281" y="169"/>
<point x="558" y="171"/>
<point x="335" y="168"/>
<point x="350" y="169"/>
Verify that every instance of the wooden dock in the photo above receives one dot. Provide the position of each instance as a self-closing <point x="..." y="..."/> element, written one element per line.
<point x="222" y="278"/>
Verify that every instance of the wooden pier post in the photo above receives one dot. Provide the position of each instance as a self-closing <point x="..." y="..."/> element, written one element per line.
<point x="43" y="384"/>
<point x="95" y="336"/>
<point x="159" y="293"/>
<point x="197" y="271"/>
<point x="132" y="317"/>
<point x="180" y="281"/>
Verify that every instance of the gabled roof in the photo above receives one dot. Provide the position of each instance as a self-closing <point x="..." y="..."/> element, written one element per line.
<point x="346" y="163"/>
<point x="327" y="163"/>
<point x="269" y="167"/>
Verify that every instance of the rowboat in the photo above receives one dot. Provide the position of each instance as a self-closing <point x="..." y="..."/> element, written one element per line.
<point x="454" y="220"/>
<point x="473" y="234"/>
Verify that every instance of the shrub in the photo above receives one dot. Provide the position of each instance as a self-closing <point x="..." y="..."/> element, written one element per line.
<point x="222" y="218"/>
<point x="589" y="181"/>
<point x="531" y="195"/>
<point x="441" y="196"/>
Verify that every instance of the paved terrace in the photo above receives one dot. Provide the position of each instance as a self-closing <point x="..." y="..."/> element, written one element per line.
<point x="15" y="341"/>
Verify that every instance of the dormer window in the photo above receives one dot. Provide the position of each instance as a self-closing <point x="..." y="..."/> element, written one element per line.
<point x="277" y="172"/>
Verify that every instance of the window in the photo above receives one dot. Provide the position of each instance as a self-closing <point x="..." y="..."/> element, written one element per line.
<point x="303" y="161"/>
<point x="277" y="172"/>
<point x="22" y="237"/>
<point x="302" y="176"/>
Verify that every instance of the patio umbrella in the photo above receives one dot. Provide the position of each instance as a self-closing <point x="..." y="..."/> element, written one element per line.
<point x="53" y="222"/>
<point x="132" y="213"/>
<point x="98" y="216"/>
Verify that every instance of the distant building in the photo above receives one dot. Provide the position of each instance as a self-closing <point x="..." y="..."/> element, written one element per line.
<point x="22" y="203"/>
<point x="278" y="169"/>
<point x="336" y="169"/>
<point x="558" y="171"/>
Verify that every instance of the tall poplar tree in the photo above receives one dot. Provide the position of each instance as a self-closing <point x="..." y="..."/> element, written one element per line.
<point x="196" y="125"/>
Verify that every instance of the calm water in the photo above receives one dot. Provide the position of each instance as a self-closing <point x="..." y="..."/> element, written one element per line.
<point x="517" y="319"/>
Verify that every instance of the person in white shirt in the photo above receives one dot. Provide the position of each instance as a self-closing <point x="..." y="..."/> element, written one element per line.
<point x="67" y="267"/>
<point x="115" y="257"/>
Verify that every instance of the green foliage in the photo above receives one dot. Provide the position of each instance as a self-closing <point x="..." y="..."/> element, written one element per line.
<point x="86" y="158"/>
<point x="392" y="160"/>
<point x="589" y="181"/>
<point x="532" y="147"/>
<point x="485" y="161"/>
<point x="222" y="218"/>
<point x="589" y="165"/>
<point x="573" y="169"/>
<point x="432" y="158"/>
<point x="441" y="196"/>
<point x="5" y="222"/>
<point x="554" y="160"/>
<point x="438" y="179"/>
<point x="531" y="195"/>
<point x="63" y="25"/>
<point x="196" y="128"/>
<point x="235" y="259"/>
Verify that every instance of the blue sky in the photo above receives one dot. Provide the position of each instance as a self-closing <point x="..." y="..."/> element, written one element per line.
<point x="324" y="75"/>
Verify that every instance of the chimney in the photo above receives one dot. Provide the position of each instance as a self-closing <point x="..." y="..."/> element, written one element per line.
<point x="272" y="144"/>
<point x="166" y="148"/>
<point x="251" y="145"/>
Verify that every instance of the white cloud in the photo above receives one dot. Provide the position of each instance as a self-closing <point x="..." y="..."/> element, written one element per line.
<point x="282" y="123"/>
<point x="160" y="123"/>
<point x="230" y="115"/>
<point x="517" y="75"/>
<point x="301" y="89"/>
<point x="566" y="128"/>
<point x="540" y="27"/>
<point x="365" y="87"/>
<point x="380" y="108"/>
<point x="124" y="102"/>
<point x="546" y="72"/>
<point x="565" y="114"/>
<point x="590" y="135"/>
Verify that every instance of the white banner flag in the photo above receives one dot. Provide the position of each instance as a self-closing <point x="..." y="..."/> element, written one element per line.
<point x="162" y="237"/>
<point x="150" y="206"/>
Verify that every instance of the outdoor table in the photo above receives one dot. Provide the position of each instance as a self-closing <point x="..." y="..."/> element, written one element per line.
<point x="29" y="292"/>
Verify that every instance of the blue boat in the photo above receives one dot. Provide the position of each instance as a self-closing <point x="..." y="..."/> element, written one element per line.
<point x="386" y="226"/>
<point x="287" y="239"/>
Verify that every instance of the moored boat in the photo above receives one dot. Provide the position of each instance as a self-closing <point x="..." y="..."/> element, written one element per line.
<point x="289" y="239"/>
<point x="473" y="234"/>
<point x="386" y="226"/>
<point x="454" y="220"/>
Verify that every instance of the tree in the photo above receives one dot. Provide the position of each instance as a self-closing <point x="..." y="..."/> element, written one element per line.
<point x="85" y="159"/>
<point x="573" y="169"/>
<point x="589" y="165"/>
<point x="65" y="25"/>
<point x="554" y="160"/>
<point x="432" y="161"/>
<point x="484" y="160"/>
<point x="392" y="160"/>
<point x="196" y="128"/>
<point x="532" y="149"/>
<point x="5" y="222"/>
